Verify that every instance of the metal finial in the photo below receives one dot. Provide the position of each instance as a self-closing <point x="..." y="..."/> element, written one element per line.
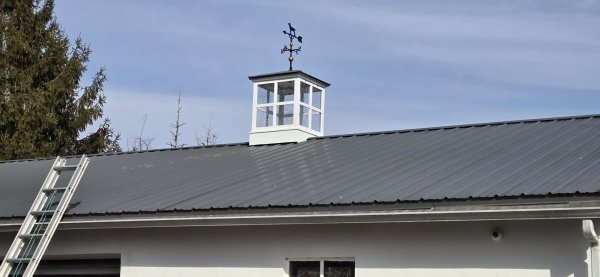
<point x="291" y="49"/>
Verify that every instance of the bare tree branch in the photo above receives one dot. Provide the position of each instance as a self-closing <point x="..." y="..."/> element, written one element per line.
<point x="210" y="136"/>
<point x="140" y="142"/>
<point x="176" y="131"/>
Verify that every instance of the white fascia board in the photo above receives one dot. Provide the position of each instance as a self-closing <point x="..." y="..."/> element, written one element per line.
<point x="566" y="210"/>
<point x="284" y="128"/>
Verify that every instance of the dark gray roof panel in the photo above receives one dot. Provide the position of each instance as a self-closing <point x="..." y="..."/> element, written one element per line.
<point x="538" y="157"/>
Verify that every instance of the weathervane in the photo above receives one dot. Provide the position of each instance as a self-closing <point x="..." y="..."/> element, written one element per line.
<point x="292" y="35"/>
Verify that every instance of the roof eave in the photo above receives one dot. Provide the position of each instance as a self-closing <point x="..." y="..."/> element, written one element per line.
<point x="288" y="74"/>
<point x="580" y="209"/>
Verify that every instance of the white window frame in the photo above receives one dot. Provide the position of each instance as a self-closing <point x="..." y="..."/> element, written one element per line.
<point x="311" y="107"/>
<point x="274" y="104"/>
<point x="277" y="103"/>
<point x="321" y="261"/>
<point x="256" y="105"/>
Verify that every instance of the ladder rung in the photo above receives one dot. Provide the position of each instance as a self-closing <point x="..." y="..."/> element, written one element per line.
<point x="48" y="212"/>
<point x="65" y="168"/>
<point x="31" y="236"/>
<point x="17" y="260"/>
<point x="41" y="223"/>
<point x="54" y="189"/>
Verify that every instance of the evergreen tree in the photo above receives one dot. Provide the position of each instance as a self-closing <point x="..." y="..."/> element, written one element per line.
<point x="43" y="107"/>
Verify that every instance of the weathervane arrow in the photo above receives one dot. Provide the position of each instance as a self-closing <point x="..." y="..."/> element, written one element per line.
<point x="292" y="35"/>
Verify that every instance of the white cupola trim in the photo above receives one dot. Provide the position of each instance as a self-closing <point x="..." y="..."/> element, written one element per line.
<point x="287" y="106"/>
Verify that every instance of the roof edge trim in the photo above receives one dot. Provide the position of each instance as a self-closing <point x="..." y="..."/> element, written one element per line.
<point x="462" y="126"/>
<point x="564" y="210"/>
<point x="130" y="152"/>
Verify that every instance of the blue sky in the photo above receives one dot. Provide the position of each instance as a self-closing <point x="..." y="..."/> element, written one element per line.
<point x="392" y="64"/>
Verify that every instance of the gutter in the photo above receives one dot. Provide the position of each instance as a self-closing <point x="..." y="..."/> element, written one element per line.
<point x="590" y="234"/>
<point x="564" y="210"/>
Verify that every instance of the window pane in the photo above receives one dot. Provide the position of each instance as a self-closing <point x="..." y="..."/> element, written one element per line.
<point x="316" y="101"/>
<point x="285" y="114"/>
<point x="285" y="91"/>
<point x="266" y="93"/>
<point x="305" y="269"/>
<point x="304" y="116"/>
<point x="304" y="91"/>
<point x="264" y="116"/>
<point x="339" y="269"/>
<point x="316" y="121"/>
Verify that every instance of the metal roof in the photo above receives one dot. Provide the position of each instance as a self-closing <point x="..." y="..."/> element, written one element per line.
<point x="503" y="159"/>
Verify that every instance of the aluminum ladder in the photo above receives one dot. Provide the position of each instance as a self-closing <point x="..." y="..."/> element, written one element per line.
<point x="39" y="225"/>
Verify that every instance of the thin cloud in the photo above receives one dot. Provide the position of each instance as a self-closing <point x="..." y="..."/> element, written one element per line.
<point x="393" y="64"/>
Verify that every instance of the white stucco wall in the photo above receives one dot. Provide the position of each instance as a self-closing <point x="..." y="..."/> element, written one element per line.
<point x="533" y="248"/>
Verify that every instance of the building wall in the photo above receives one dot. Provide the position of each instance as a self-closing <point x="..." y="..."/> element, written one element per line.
<point x="528" y="248"/>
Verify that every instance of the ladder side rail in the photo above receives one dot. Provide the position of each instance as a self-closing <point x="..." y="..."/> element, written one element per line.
<point x="56" y="218"/>
<point x="29" y="220"/>
<point x="42" y="197"/>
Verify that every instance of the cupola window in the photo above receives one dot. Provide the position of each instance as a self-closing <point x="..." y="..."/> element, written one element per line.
<point x="288" y="107"/>
<point x="275" y="105"/>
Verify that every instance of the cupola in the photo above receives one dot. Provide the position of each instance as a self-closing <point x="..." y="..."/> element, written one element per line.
<point x="288" y="106"/>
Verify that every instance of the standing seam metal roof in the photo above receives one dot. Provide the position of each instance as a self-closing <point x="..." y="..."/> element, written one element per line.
<point x="502" y="159"/>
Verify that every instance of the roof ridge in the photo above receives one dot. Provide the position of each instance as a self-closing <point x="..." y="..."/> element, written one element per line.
<point x="448" y="127"/>
<point x="129" y="152"/>
<point x="460" y="126"/>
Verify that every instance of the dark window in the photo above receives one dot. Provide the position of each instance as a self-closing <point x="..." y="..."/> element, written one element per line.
<point x="339" y="269"/>
<point x="305" y="268"/>
<point x="330" y="268"/>
<point x="79" y="268"/>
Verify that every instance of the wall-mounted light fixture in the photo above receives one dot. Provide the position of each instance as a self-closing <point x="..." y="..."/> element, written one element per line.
<point x="497" y="234"/>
